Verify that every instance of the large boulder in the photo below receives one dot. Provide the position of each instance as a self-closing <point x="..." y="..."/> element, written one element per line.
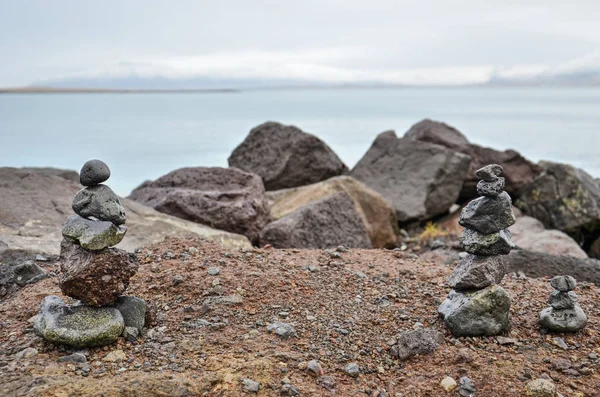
<point x="518" y="170"/>
<point x="530" y="234"/>
<point x="325" y="223"/>
<point x="36" y="203"/>
<point x="421" y="180"/>
<point x="564" y="198"/>
<point x="376" y="212"/>
<point x="224" y="198"/>
<point x="284" y="156"/>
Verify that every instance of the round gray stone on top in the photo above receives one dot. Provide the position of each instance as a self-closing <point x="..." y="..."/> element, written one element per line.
<point x="563" y="283"/>
<point x="94" y="172"/>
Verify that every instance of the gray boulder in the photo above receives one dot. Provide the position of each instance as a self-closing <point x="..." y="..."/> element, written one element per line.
<point x="519" y="171"/>
<point x="224" y="198"/>
<point x="419" y="341"/>
<point x="564" y="320"/>
<point x="477" y="272"/>
<point x="488" y="214"/>
<point x="530" y="234"/>
<point x="421" y="180"/>
<point x="99" y="202"/>
<point x="499" y="243"/>
<point x="564" y="198"/>
<point x="133" y="310"/>
<point x="77" y="326"/>
<point x="284" y="156"/>
<point x="92" y="235"/>
<point x="325" y="223"/>
<point x="477" y="313"/>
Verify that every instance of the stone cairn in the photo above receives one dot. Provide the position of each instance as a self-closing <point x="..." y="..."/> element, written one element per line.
<point x="476" y="305"/>
<point x="92" y="272"/>
<point x="564" y="313"/>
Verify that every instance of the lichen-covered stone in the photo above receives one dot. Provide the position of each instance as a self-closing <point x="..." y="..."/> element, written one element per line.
<point x="477" y="313"/>
<point x="499" y="243"/>
<point x="97" y="278"/>
<point x="491" y="189"/>
<point x="92" y="235"/>
<point x="99" y="202"/>
<point x="565" y="320"/>
<point x="488" y="214"/>
<point x="77" y="326"/>
<point x="476" y="272"/>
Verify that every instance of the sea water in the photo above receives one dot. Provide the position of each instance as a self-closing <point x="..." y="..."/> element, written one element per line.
<point x="143" y="136"/>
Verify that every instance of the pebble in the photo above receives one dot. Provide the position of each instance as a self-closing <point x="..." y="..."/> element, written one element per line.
<point x="448" y="384"/>
<point x="503" y="340"/>
<point x="73" y="358"/>
<point x="193" y="250"/>
<point x="131" y="333"/>
<point x="341" y="248"/>
<point x="27" y="353"/>
<point x="177" y="279"/>
<point x="289" y="390"/>
<point x="352" y="369"/>
<point x="115" y="356"/>
<point x="541" y="388"/>
<point x="284" y="330"/>
<point x="327" y="382"/>
<point x="314" y="367"/>
<point x="250" y="385"/>
<point x="560" y="342"/>
<point x="467" y="388"/>
<point x="214" y="271"/>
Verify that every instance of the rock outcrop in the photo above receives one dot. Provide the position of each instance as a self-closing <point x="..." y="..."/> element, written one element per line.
<point x="376" y="212"/>
<point x="223" y="198"/>
<point x="530" y="234"/>
<point x="35" y="203"/>
<point x="518" y="169"/>
<point x="421" y="180"/>
<point x="284" y="156"/>
<point x="325" y="223"/>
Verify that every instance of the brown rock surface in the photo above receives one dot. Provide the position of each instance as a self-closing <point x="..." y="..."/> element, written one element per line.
<point x="376" y="212"/>
<point x="96" y="278"/>
<point x="223" y="198"/>
<point x="285" y="156"/>
<point x="349" y="310"/>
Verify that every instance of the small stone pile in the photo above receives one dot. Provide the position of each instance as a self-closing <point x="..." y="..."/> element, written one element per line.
<point x="477" y="305"/>
<point x="92" y="272"/>
<point x="564" y="313"/>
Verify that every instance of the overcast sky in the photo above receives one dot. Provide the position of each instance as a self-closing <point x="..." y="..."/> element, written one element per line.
<point x="421" y="42"/>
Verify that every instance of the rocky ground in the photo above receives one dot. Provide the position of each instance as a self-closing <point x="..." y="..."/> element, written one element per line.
<point x="211" y="334"/>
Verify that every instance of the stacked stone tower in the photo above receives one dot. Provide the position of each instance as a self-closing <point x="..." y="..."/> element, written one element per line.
<point x="477" y="305"/>
<point x="92" y="272"/>
<point x="564" y="313"/>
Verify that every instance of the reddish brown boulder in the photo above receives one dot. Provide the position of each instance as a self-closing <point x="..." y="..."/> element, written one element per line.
<point x="285" y="156"/>
<point x="223" y="198"/>
<point x="518" y="170"/>
<point x="96" y="278"/>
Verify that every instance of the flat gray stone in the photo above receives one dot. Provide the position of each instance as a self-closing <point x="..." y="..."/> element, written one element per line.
<point x="499" y="243"/>
<point x="563" y="283"/>
<point x="563" y="300"/>
<point x="92" y="235"/>
<point x="489" y="172"/>
<point x="77" y="326"/>
<point x="419" y="341"/>
<point x="284" y="330"/>
<point x="488" y="214"/>
<point x="94" y="172"/>
<point x="99" y="202"/>
<point x="566" y="320"/>
<point x="477" y="272"/>
<point x="133" y="310"/>
<point x="491" y="189"/>
<point x="478" y="313"/>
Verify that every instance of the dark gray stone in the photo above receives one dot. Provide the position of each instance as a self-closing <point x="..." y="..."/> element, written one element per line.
<point x="250" y="385"/>
<point x="419" y="341"/>
<point x="477" y="313"/>
<point x="92" y="235"/>
<point x="324" y="223"/>
<point x="289" y="390"/>
<point x="352" y="369"/>
<point x="284" y="330"/>
<point x="491" y="189"/>
<point x="563" y="283"/>
<point x="490" y="172"/>
<point x="93" y="173"/>
<point x="99" y="202"/>
<point x="284" y="157"/>
<point x="466" y="387"/>
<point x="439" y="133"/>
<point x="477" y="272"/>
<point x="77" y="326"/>
<point x="499" y="243"/>
<point x="563" y="300"/>
<point x="131" y="333"/>
<point x="488" y="215"/>
<point x="421" y="180"/>
<point x="133" y="310"/>
<point x="73" y="358"/>
<point x="566" y="320"/>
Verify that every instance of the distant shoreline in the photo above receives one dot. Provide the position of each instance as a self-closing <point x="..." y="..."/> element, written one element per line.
<point x="53" y="90"/>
